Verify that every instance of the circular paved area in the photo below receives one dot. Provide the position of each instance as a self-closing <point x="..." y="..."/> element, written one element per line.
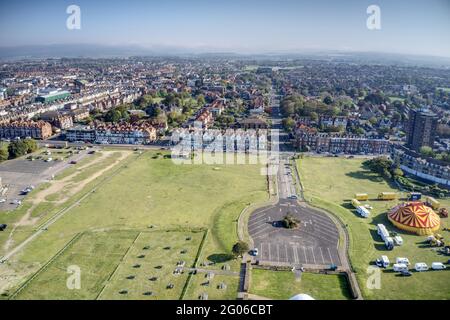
<point x="314" y="243"/>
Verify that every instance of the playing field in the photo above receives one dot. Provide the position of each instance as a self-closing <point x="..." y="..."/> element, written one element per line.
<point x="282" y="285"/>
<point x="140" y="192"/>
<point x="330" y="183"/>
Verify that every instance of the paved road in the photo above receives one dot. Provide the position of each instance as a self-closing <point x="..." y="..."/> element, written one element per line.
<point x="316" y="241"/>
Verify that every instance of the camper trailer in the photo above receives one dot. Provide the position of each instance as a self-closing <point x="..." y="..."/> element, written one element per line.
<point x="433" y="203"/>
<point x="356" y="203"/>
<point x="402" y="261"/>
<point x="363" y="212"/>
<point x="361" y="196"/>
<point x="400" y="267"/>
<point x="383" y="262"/>
<point x="421" y="266"/>
<point x="387" y="196"/>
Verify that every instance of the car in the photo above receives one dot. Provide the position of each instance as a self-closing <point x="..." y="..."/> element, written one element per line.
<point x="294" y="197"/>
<point x="255" y="252"/>
<point x="73" y="162"/>
<point x="405" y="273"/>
<point x="3" y="227"/>
<point x="2" y="200"/>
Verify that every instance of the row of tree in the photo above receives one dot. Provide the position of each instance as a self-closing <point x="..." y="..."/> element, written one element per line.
<point x="17" y="149"/>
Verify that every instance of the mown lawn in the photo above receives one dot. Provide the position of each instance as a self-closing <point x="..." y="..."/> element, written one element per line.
<point x="282" y="285"/>
<point x="330" y="183"/>
<point x="154" y="192"/>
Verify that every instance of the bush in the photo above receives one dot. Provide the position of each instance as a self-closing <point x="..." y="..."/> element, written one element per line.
<point x="240" y="248"/>
<point x="289" y="222"/>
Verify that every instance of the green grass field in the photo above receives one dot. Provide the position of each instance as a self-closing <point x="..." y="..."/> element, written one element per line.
<point x="282" y="285"/>
<point x="152" y="192"/>
<point x="330" y="183"/>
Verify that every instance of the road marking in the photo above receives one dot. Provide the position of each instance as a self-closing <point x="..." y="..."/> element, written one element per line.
<point x="294" y="249"/>
<point x="304" y="253"/>
<point x="321" y="253"/>
<point x="278" y="252"/>
<point x="270" y="256"/>
<point x="285" y="249"/>
<point x="331" y="258"/>
<point x="314" y="257"/>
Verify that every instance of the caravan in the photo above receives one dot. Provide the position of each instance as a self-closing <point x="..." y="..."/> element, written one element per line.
<point x="363" y="212"/>
<point x="383" y="262"/>
<point x="421" y="266"/>
<point x="402" y="261"/>
<point x="400" y="267"/>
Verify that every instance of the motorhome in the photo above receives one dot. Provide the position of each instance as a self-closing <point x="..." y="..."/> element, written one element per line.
<point x="421" y="266"/>
<point x="402" y="261"/>
<point x="389" y="242"/>
<point x="363" y="212"/>
<point x="383" y="262"/>
<point x="399" y="267"/>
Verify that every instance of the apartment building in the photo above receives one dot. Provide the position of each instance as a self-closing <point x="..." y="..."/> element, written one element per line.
<point x="24" y="129"/>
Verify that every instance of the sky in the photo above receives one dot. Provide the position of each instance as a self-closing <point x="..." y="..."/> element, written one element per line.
<point x="241" y="26"/>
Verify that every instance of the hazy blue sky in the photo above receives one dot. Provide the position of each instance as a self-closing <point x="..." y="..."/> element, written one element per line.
<point x="408" y="26"/>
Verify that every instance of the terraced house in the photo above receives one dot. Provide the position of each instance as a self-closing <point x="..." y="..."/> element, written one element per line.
<point x="24" y="129"/>
<point x="125" y="133"/>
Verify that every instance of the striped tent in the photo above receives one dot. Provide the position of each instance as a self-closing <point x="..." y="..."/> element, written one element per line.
<point x="415" y="217"/>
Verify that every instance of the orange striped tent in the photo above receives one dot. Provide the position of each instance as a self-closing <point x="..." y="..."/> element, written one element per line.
<point x="415" y="217"/>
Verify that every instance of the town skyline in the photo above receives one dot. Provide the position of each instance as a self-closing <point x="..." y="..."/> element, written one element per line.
<point x="244" y="28"/>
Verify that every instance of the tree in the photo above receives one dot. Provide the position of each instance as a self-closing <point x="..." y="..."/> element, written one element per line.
<point x="31" y="145"/>
<point x="4" y="152"/>
<point x="328" y="100"/>
<point x="240" y="248"/>
<point x="427" y="151"/>
<point x="288" y="124"/>
<point x="113" y="116"/>
<point x="17" y="149"/>
<point x="290" y="222"/>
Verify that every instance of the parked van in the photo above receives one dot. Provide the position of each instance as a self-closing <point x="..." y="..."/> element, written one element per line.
<point x="363" y="212"/>
<point x="402" y="261"/>
<point x="421" y="266"/>
<point x="383" y="262"/>
<point x="399" y="267"/>
<point x="438" y="266"/>
<point x="389" y="242"/>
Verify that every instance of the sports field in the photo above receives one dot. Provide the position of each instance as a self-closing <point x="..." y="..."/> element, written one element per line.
<point x="330" y="183"/>
<point x="138" y="192"/>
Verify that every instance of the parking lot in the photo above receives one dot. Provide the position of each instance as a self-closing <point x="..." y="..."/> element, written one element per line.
<point x="18" y="174"/>
<point x="315" y="242"/>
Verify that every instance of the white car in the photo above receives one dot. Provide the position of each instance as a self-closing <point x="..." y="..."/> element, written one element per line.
<point x="2" y="200"/>
<point x="255" y="252"/>
<point x="438" y="266"/>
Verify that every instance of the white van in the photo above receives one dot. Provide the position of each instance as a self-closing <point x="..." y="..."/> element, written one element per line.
<point x="402" y="261"/>
<point x="399" y="267"/>
<point x="421" y="266"/>
<point x="383" y="262"/>
<point x="438" y="266"/>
